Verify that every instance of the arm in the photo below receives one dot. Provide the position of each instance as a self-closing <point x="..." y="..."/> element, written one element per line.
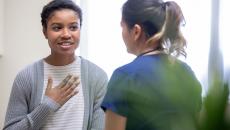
<point x="115" y="103"/>
<point x="18" y="116"/>
<point x="114" y="121"/>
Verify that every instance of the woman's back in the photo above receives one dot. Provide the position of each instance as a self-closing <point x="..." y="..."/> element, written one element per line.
<point x="156" y="93"/>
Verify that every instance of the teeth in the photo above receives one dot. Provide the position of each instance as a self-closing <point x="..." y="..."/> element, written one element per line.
<point x="65" y="43"/>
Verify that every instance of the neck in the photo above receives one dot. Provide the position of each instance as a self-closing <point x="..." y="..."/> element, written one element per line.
<point x="59" y="60"/>
<point x="145" y="48"/>
<point x="150" y="51"/>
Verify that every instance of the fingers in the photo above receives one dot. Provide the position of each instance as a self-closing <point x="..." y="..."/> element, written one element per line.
<point x="73" y="82"/>
<point x="69" y="93"/>
<point x="65" y="90"/>
<point x="65" y="81"/>
<point x="70" y="90"/>
<point x="71" y="86"/>
<point x="67" y="97"/>
<point x="76" y="82"/>
<point x="50" y="83"/>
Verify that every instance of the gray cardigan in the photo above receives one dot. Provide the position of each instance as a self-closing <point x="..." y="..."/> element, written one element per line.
<point x="26" y="112"/>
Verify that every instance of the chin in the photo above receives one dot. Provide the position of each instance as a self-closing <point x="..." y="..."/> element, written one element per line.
<point x="66" y="53"/>
<point x="130" y="52"/>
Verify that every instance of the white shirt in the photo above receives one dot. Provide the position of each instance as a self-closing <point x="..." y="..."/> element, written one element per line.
<point x="70" y="115"/>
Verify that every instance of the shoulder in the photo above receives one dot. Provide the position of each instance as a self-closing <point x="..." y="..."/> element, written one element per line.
<point x="28" y="71"/>
<point x="121" y="77"/>
<point x="184" y="66"/>
<point x="90" y="67"/>
<point x="89" y="64"/>
<point x="93" y="74"/>
<point x="93" y="77"/>
<point x="25" y="77"/>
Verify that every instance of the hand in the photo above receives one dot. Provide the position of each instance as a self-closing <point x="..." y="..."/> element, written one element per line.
<point x="64" y="91"/>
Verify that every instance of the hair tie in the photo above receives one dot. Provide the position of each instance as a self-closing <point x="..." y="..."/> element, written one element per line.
<point x="164" y="4"/>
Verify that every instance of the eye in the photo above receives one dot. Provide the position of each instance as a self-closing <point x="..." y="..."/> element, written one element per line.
<point x="56" y="28"/>
<point x="74" y="27"/>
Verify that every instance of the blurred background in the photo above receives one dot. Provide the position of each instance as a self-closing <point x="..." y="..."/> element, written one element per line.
<point x="22" y="42"/>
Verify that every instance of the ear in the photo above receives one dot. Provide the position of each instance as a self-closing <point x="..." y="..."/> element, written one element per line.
<point x="137" y="31"/>
<point x="44" y="32"/>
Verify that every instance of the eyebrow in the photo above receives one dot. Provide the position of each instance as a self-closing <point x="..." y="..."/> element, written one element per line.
<point x="56" y="23"/>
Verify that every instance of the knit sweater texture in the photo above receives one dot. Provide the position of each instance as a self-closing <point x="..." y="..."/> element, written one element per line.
<point x="26" y="112"/>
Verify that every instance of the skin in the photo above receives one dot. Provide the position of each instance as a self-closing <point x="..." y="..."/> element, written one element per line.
<point x="114" y="121"/>
<point x="64" y="91"/>
<point x="63" y="35"/>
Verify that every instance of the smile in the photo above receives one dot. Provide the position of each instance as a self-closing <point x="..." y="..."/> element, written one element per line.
<point x="65" y="43"/>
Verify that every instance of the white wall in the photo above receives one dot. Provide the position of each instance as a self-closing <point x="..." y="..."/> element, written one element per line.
<point x="105" y="45"/>
<point x="22" y="40"/>
<point x="3" y="97"/>
<point x="1" y="25"/>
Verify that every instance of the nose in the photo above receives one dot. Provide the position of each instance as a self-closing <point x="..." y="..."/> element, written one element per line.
<point x="66" y="33"/>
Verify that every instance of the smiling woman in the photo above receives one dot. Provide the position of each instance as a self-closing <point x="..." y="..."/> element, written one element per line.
<point x="62" y="90"/>
<point x="63" y="35"/>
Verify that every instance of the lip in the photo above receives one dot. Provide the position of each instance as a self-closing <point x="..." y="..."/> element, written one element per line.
<point x="65" y="44"/>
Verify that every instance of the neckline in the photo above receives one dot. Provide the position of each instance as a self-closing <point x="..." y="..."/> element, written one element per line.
<point x="151" y="52"/>
<point x="62" y="66"/>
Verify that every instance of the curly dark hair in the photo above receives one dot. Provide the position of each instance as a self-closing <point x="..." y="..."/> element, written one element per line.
<point x="59" y="5"/>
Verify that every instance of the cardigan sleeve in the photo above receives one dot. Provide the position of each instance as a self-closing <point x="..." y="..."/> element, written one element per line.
<point x="18" y="116"/>
<point x="99" y="84"/>
<point x="98" y="113"/>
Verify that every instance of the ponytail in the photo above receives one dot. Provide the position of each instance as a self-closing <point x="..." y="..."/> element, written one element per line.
<point x="172" y="36"/>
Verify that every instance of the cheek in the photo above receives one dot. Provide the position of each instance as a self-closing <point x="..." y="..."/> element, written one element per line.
<point x="76" y="39"/>
<point x="123" y="35"/>
<point x="51" y="36"/>
<point x="76" y="36"/>
<point x="50" y="40"/>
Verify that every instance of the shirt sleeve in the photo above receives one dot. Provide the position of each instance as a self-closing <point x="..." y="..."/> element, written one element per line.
<point x="116" y="96"/>
<point x="18" y="116"/>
